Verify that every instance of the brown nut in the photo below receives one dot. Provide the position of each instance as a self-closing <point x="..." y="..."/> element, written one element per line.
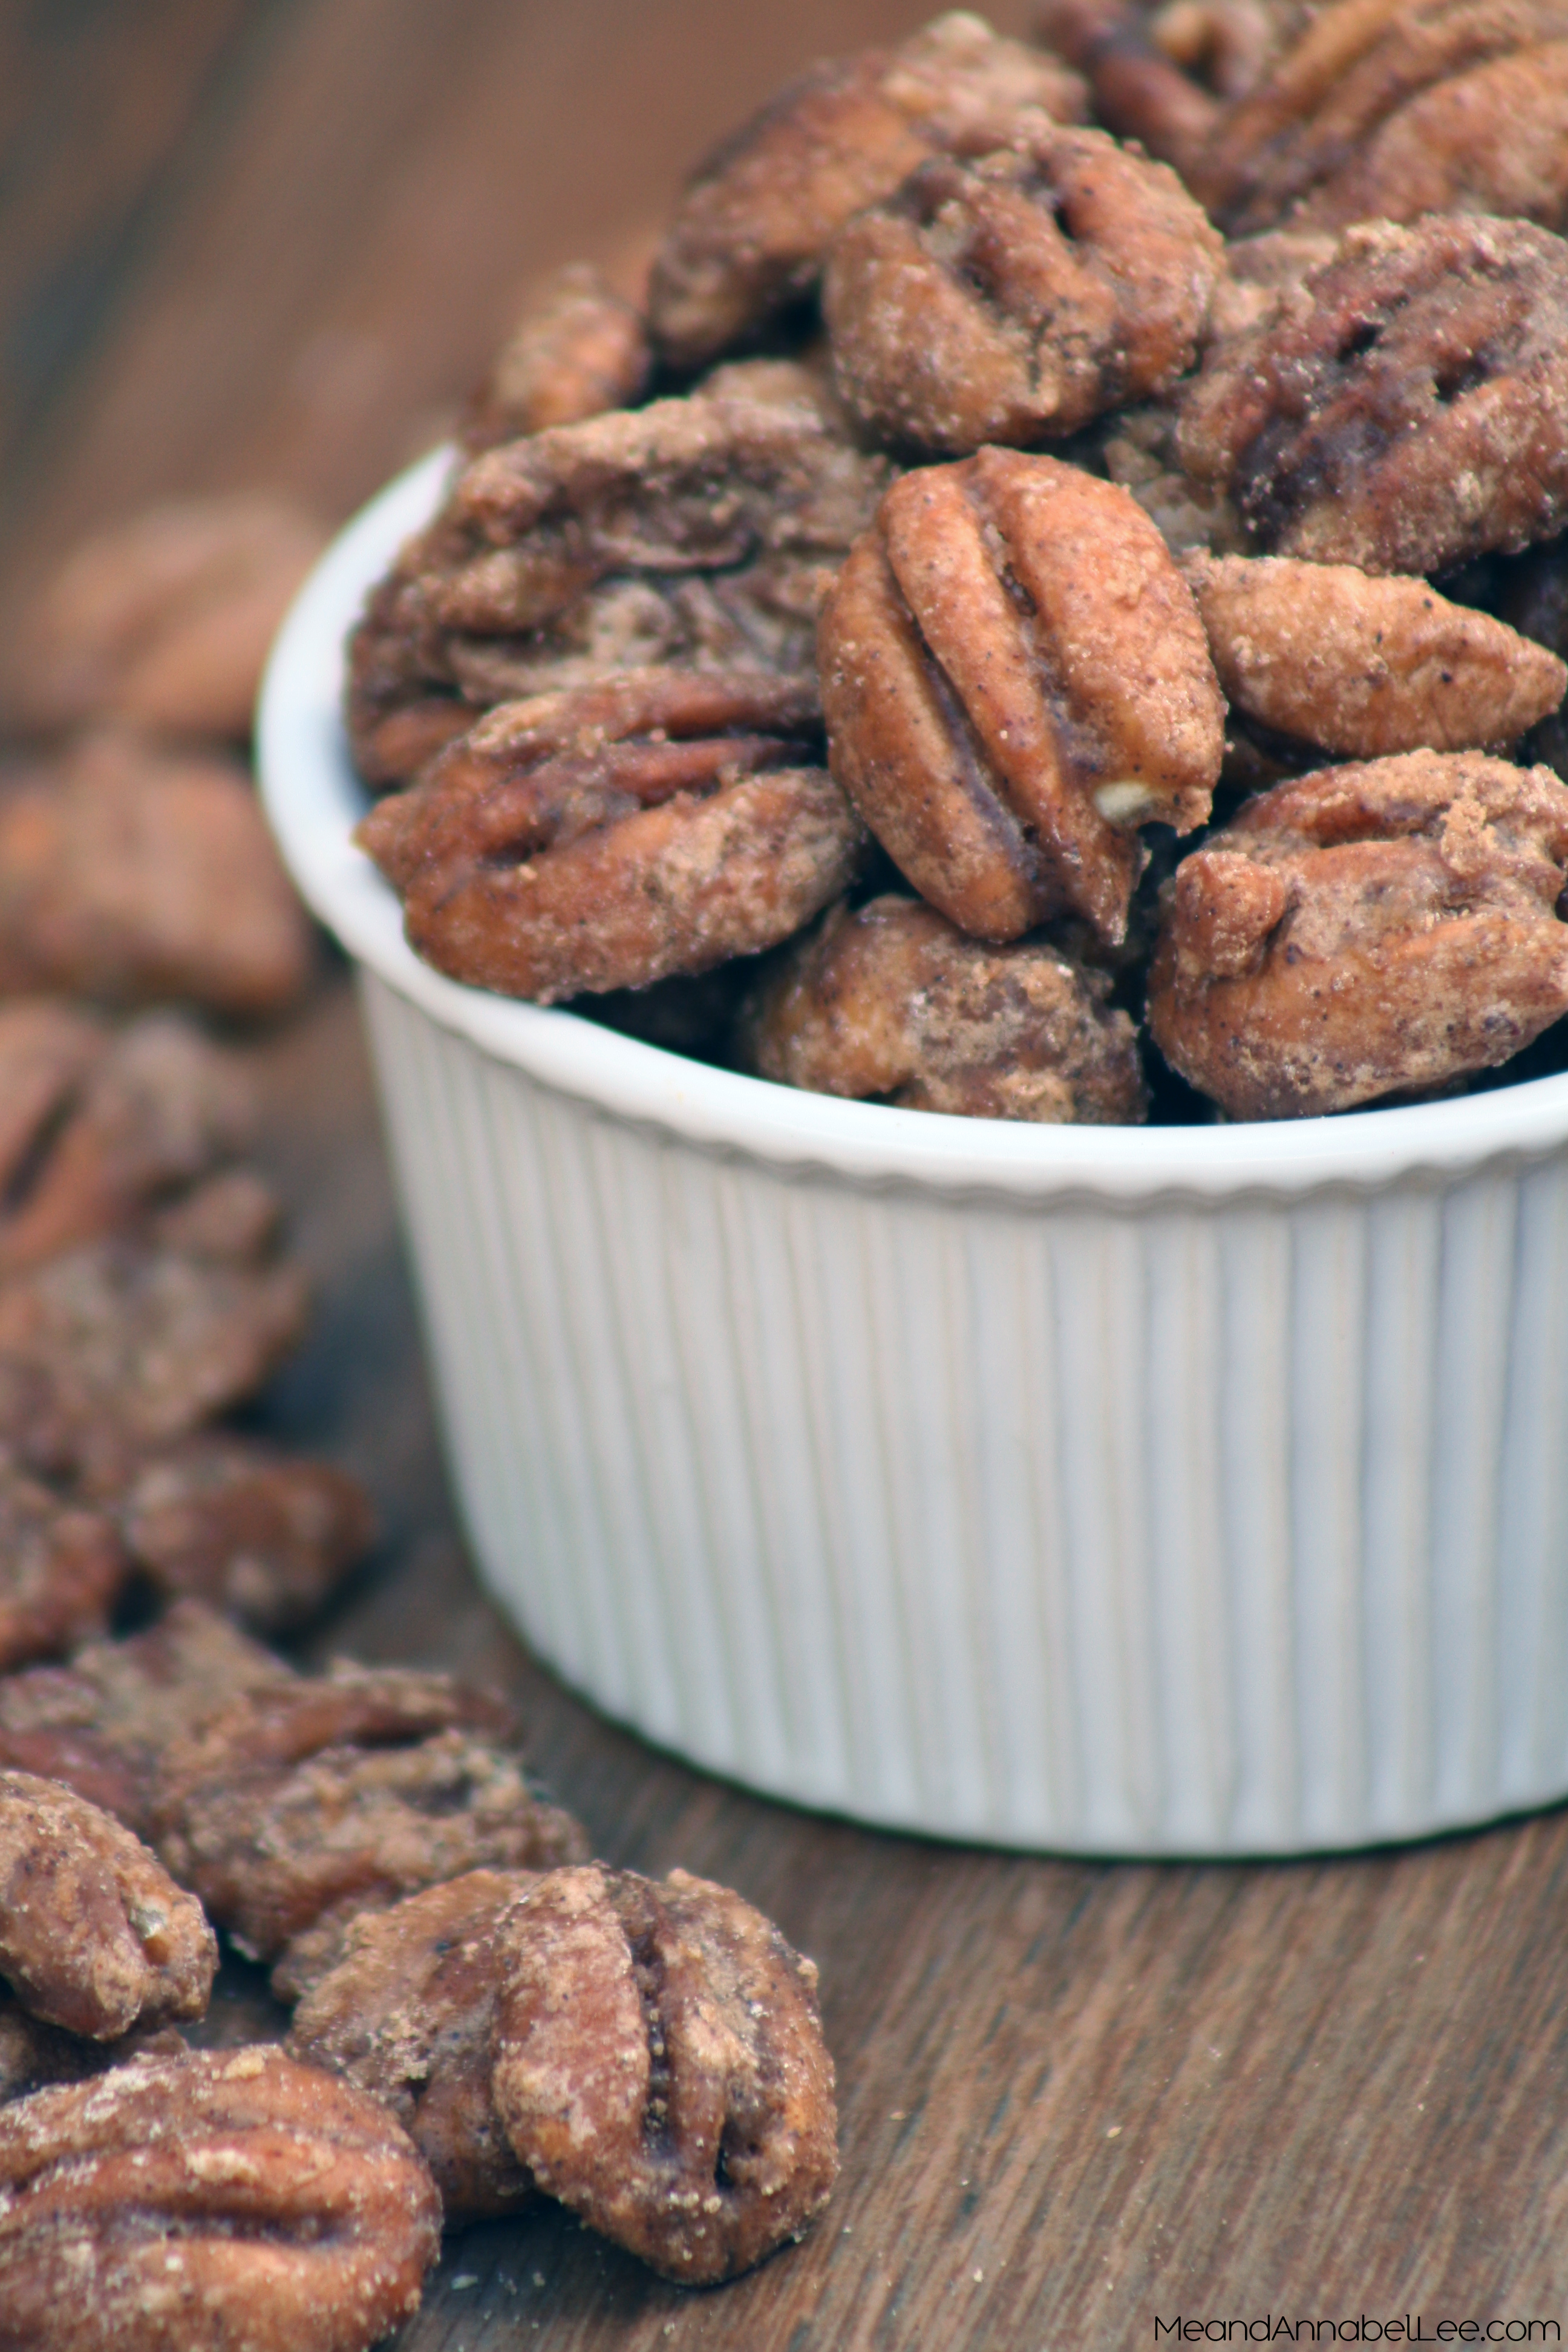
<point x="578" y="350"/>
<point x="61" y="1569"/>
<point x="661" y="2067"/>
<point x="94" y="1934"/>
<point x="102" y="1724"/>
<point x="697" y="533"/>
<point x="95" y="1129"/>
<point x="408" y="2013"/>
<point x="225" y="2199"/>
<point x="164" y="620"/>
<point x="751" y="231"/>
<point x="34" y="2055"/>
<point x="116" y="1346"/>
<point x="960" y="312"/>
<point x="1367" y="666"/>
<point x="226" y="1520"/>
<point x="320" y="1798"/>
<point x="1365" y="931"/>
<point x="612" y="837"/>
<point x="893" y="1003"/>
<point x="1409" y="410"/>
<point x="1139" y="91"/>
<point x="130" y="875"/>
<point x="1015" y="678"/>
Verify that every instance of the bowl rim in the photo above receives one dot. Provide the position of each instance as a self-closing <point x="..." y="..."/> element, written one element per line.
<point x="313" y="799"/>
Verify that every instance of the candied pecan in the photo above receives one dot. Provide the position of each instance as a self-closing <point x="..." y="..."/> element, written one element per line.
<point x="86" y="1145"/>
<point x="164" y="620"/>
<point x="1139" y="451"/>
<point x="408" y="2014"/>
<point x="60" y="1570"/>
<point x="756" y="219"/>
<point x="699" y="533"/>
<point x="33" y="2055"/>
<point x="1015" y="678"/>
<point x="229" y="2199"/>
<point x="344" y="1794"/>
<point x="1367" y="666"/>
<point x="229" y="1521"/>
<point x="1017" y="298"/>
<point x="661" y="2067"/>
<point x="577" y="350"/>
<point x="1366" y="930"/>
<point x="1226" y="46"/>
<point x="1410" y="410"/>
<point x="230" y="1219"/>
<point x="128" y="875"/>
<point x="94" y="1934"/>
<point x="1139" y="91"/>
<point x="121" y="1347"/>
<point x="893" y="1003"/>
<point x="102" y="1724"/>
<point x="1382" y="112"/>
<point x="610" y="838"/>
<point x="1262" y="275"/>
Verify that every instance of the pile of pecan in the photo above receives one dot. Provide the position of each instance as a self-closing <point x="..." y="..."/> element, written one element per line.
<point x="484" y="2016"/>
<point x="1052" y="605"/>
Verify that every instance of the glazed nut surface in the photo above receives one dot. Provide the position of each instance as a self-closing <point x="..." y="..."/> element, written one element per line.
<point x="1015" y="678"/>
<point x="617" y="835"/>
<point x="577" y="350"/>
<point x="661" y="2067"/>
<point x="1408" y="409"/>
<point x="1015" y="299"/>
<point x="751" y="231"/>
<point x="263" y="1535"/>
<point x="61" y="1568"/>
<point x="94" y="1934"/>
<point x="892" y="1003"/>
<point x="1367" y="930"/>
<point x="408" y="2013"/>
<point x="222" y="2201"/>
<point x="1367" y="666"/>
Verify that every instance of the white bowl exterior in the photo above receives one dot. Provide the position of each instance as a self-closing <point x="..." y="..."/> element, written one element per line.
<point x="1177" y="1491"/>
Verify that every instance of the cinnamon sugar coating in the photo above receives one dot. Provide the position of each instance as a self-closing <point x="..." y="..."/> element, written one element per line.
<point x="611" y="837"/>
<point x="578" y="349"/>
<point x="1015" y="299"/>
<point x="224" y="2198"/>
<point x="661" y="2067"/>
<point x="34" y="2055"/>
<point x="893" y="1003"/>
<point x="1366" y="930"/>
<point x="61" y="1568"/>
<point x="1367" y="666"/>
<point x="1015" y="678"/>
<point x="94" y="1935"/>
<point x="1408" y="410"/>
<point x="748" y="235"/>
<point x="408" y="2013"/>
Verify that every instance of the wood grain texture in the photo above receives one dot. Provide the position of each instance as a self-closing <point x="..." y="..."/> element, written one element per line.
<point x="1075" y="2097"/>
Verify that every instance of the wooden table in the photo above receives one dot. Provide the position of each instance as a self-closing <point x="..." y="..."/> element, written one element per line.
<point x="270" y="241"/>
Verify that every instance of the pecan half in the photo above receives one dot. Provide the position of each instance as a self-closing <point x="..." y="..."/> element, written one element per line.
<point x="129" y="875"/>
<point x="1366" y="930"/>
<point x="893" y="1003"/>
<point x="1139" y="88"/>
<point x="164" y="619"/>
<point x="611" y="837"/>
<point x="661" y="2067"/>
<point x="61" y="1569"/>
<point x="408" y="2013"/>
<point x="1015" y="678"/>
<point x="303" y="1803"/>
<point x="1015" y="298"/>
<point x="577" y="350"/>
<point x="102" y="1724"/>
<point x="1409" y="410"/>
<point x="259" y="1533"/>
<point x="226" y="2197"/>
<point x="751" y="231"/>
<point x="94" y="1934"/>
<point x="1367" y="666"/>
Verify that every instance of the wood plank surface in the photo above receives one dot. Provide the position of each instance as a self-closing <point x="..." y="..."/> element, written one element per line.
<point x="1075" y="2097"/>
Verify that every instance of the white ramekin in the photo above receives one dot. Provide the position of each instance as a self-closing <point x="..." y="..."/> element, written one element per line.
<point x="1196" y="1491"/>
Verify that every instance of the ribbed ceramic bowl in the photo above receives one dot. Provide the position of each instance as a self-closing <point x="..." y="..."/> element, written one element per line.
<point x="1136" y="1491"/>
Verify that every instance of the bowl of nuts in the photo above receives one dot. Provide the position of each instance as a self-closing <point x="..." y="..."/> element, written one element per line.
<point x="953" y="844"/>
